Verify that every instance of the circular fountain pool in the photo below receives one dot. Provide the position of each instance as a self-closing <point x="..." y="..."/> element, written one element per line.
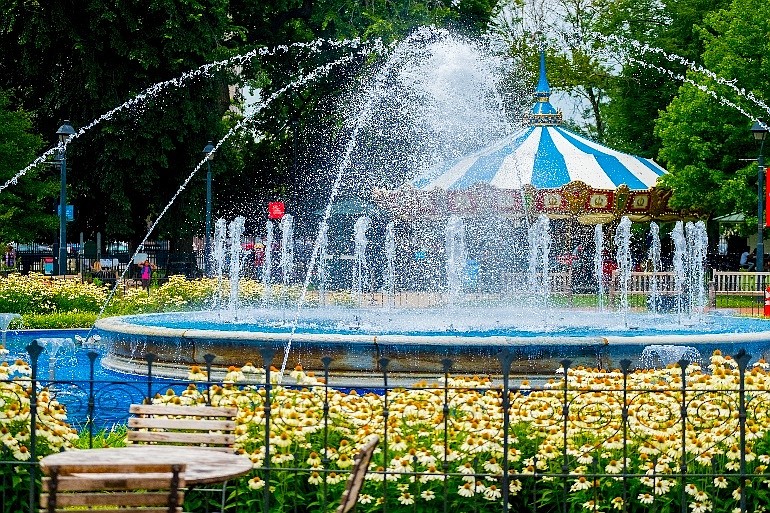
<point x="417" y="341"/>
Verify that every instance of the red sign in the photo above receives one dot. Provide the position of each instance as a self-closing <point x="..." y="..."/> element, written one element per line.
<point x="275" y="210"/>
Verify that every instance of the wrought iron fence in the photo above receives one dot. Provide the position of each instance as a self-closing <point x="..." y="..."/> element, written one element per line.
<point x="683" y="438"/>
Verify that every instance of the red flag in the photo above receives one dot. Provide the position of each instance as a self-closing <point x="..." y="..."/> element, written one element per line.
<point x="275" y="210"/>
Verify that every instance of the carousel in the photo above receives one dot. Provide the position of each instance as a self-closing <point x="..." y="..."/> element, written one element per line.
<point x="541" y="168"/>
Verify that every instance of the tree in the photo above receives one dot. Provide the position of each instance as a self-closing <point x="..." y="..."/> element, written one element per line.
<point x="80" y="60"/>
<point x="706" y="142"/>
<point x="26" y="207"/>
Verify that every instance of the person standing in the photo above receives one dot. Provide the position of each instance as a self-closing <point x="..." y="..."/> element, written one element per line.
<point x="146" y="275"/>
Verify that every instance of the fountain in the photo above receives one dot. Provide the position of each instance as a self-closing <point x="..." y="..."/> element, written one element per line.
<point x="599" y="265"/>
<point x="389" y="278"/>
<point x="623" y="258"/>
<point x="657" y="355"/>
<point x="653" y="255"/>
<point x="522" y="318"/>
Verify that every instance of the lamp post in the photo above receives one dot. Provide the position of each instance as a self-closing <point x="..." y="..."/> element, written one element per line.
<point x="759" y="129"/>
<point x="207" y="236"/>
<point x="64" y="132"/>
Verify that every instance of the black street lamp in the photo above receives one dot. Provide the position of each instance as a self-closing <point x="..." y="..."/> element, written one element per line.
<point x="64" y="132"/>
<point x="760" y="133"/>
<point x="207" y="236"/>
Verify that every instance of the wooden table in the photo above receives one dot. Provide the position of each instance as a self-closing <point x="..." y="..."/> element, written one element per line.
<point x="204" y="466"/>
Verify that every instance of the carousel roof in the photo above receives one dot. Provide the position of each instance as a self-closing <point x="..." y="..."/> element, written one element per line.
<point x="547" y="157"/>
<point x="544" y="155"/>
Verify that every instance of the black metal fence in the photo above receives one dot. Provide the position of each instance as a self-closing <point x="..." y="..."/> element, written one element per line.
<point x="106" y="263"/>
<point x="675" y="439"/>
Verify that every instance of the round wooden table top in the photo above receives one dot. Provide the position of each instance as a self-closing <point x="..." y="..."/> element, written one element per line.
<point x="204" y="466"/>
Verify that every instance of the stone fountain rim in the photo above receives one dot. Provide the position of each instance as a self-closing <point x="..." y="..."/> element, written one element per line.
<point x="122" y="325"/>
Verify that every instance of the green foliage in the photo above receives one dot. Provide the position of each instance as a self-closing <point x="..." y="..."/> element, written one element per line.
<point x="26" y="213"/>
<point x="123" y="171"/>
<point x="58" y="320"/>
<point x="127" y="169"/>
<point x="47" y="303"/>
<point x="706" y="141"/>
<point x="112" y="437"/>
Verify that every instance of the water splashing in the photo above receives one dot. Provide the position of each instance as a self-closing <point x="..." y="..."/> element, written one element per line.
<point x="236" y="250"/>
<point x="267" y="273"/>
<point x="697" y="243"/>
<point x="539" y="259"/>
<point x="680" y="265"/>
<point x="455" y="257"/>
<point x="653" y="254"/>
<point x="360" y="264"/>
<point x="219" y="257"/>
<point x="323" y="243"/>
<point x="287" y="248"/>
<point x="390" y="267"/>
<point x="662" y="355"/>
<point x="623" y="258"/>
<point x="599" y="266"/>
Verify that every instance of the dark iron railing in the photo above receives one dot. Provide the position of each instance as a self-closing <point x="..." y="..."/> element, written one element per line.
<point x="632" y="416"/>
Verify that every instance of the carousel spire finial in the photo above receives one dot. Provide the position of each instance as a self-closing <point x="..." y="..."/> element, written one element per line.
<point x="543" y="113"/>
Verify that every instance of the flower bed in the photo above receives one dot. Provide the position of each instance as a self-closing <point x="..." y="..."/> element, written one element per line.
<point x="452" y="446"/>
<point x="609" y="441"/>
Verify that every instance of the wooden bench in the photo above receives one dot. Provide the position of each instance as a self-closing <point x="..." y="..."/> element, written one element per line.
<point x="211" y="427"/>
<point x="119" y="487"/>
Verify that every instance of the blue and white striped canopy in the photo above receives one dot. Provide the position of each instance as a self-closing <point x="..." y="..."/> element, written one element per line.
<point x="546" y="157"/>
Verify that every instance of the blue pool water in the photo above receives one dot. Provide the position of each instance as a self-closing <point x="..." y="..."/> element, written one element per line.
<point x="112" y="392"/>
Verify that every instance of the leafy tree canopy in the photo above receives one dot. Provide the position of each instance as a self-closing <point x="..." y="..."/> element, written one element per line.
<point x="705" y="134"/>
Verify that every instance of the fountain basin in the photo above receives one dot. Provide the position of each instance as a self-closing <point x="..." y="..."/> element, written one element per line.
<point x="357" y="340"/>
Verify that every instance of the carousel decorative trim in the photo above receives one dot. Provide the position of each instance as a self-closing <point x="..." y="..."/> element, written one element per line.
<point x="574" y="200"/>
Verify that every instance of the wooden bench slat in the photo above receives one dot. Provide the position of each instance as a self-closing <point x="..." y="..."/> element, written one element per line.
<point x="117" y="487"/>
<point x="91" y="482"/>
<point x="126" y="498"/>
<point x="190" y="424"/>
<point x="185" y="411"/>
<point x="111" y="499"/>
<point x="128" y="467"/>
<point x="180" y="438"/>
<point x="123" y="509"/>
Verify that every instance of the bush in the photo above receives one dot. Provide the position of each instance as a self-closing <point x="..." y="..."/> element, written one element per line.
<point x="56" y="320"/>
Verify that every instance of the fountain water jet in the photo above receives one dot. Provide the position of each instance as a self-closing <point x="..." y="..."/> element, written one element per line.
<point x="390" y="268"/>
<point x="623" y="258"/>
<point x="287" y="248"/>
<point x="455" y="257"/>
<point x="653" y="254"/>
<point x="235" y="232"/>
<point x="55" y="347"/>
<point x="5" y="321"/>
<point x="599" y="266"/>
